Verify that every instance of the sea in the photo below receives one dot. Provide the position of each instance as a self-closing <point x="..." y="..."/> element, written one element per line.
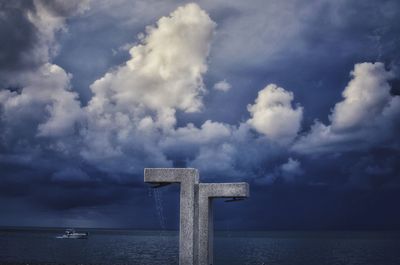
<point x="113" y="247"/>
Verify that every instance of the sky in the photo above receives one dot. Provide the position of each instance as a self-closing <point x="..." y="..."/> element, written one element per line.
<point x="301" y="99"/>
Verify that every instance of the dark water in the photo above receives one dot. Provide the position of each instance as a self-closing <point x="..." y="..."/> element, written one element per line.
<point x="161" y="248"/>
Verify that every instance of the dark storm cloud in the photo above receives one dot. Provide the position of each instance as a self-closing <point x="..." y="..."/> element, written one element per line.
<point x="64" y="8"/>
<point x="27" y="30"/>
<point x="315" y="208"/>
<point x="379" y="168"/>
<point x="26" y="44"/>
<point x="395" y="85"/>
<point x="59" y="185"/>
<point x="19" y="36"/>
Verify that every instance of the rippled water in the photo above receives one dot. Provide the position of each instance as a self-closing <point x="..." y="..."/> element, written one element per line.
<point x="161" y="247"/>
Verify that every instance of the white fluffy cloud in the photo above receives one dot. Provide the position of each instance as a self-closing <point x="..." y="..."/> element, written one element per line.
<point x="209" y="132"/>
<point x="223" y="86"/>
<point x="130" y="121"/>
<point x="133" y="107"/>
<point x="272" y="114"/>
<point x="367" y="114"/>
<point x="165" y="70"/>
<point x="44" y="100"/>
<point x="365" y="98"/>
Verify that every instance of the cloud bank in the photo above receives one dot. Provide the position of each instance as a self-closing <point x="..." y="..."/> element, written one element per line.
<point x="130" y="122"/>
<point x="133" y="118"/>
<point x="367" y="116"/>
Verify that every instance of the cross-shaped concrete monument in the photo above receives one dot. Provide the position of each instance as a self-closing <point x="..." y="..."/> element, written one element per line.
<point x="196" y="214"/>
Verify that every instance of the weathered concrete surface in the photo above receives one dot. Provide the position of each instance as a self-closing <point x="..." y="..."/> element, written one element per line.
<point x="188" y="178"/>
<point x="206" y="193"/>
<point x="196" y="214"/>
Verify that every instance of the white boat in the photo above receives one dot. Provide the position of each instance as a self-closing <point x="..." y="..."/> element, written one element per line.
<point x="71" y="234"/>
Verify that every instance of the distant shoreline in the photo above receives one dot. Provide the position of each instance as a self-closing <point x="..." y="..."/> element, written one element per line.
<point x="7" y="228"/>
<point x="353" y="234"/>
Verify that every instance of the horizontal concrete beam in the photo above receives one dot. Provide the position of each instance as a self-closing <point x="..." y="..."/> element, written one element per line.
<point x="224" y="190"/>
<point x="170" y="175"/>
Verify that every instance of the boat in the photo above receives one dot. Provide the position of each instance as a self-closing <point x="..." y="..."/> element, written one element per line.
<point x="72" y="234"/>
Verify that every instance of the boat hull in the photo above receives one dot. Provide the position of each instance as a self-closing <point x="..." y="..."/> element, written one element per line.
<point x="74" y="236"/>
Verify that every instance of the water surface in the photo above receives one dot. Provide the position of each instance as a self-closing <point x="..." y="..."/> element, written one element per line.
<point x="40" y="246"/>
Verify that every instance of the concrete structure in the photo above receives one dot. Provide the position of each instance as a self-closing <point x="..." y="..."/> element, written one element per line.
<point x="207" y="192"/>
<point x="196" y="213"/>
<point x="188" y="178"/>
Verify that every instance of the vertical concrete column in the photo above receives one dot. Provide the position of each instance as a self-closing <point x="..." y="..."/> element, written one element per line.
<point x="188" y="178"/>
<point x="206" y="193"/>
